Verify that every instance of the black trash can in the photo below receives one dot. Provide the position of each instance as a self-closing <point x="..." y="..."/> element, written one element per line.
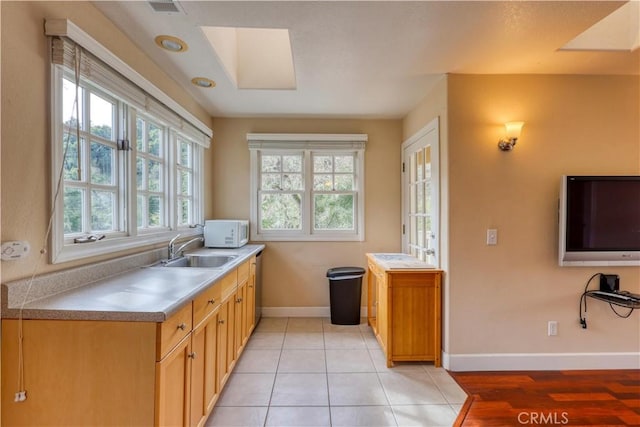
<point x="345" y="286"/>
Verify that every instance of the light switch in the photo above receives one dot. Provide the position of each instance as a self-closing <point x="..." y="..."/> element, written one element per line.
<point x="492" y="237"/>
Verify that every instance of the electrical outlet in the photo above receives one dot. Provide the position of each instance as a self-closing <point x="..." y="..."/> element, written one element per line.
<point x="492" y="237"/>
<point x="552" y="328"/>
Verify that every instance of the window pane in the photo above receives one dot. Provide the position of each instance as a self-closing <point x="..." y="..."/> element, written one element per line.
<point x="271" y="163"/>
<point x="101" y="116"/>
<point x="322" y="164"/>
<point x="184" y="211"/>
<point x="333" y="212"/>
<point x="102" y="160"/>
<point x="292" y="163"/>
<point x="71" y="158"/>
<point x="73" y="208"/>
<point x="343" y="182"/>
<point x="343" y="163"/>
<point x="140" y="210"/>
<point x="184" y="183"/>
<point x="281" y="211"/>
<point x="292" y="181"/>
<point x="322" y="182"/>
<point x="69" y="116"/>
<point x="271" y="181"/>
<point x="155" y="175"/>
<point x="140" y="173"/>
<point x="154" y="139"/>
<point x="155" y="211"/>
<point x="185" y="153"/>
<point x="102" y="210"/>
<point x="140" y="135"/>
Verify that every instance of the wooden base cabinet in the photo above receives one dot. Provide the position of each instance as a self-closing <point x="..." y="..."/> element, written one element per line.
<point x="112" y="373"/>
<point x="404" y="310"/>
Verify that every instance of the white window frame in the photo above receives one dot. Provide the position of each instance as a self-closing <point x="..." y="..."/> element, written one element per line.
<point x="308" y="144"/>
<point x="161" y="109"/>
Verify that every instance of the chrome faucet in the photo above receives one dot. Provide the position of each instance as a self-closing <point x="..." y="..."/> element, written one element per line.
<point x="179" y="251"/>
<point x="172" y="253"/>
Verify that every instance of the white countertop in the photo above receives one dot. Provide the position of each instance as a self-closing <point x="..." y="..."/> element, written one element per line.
<point x="400" y="261"/>
<point x="141" y="294"/>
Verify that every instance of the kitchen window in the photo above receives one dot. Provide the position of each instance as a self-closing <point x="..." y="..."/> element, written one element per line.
<point x="126" y="169"/>
<point x="307" y="186"/>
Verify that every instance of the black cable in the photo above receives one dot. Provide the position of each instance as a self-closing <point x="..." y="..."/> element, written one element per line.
<point x="583" y="299"/>
<point x="621" y="315"/>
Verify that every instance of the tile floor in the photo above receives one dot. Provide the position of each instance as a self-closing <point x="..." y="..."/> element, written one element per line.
<point x="308" y="372"/>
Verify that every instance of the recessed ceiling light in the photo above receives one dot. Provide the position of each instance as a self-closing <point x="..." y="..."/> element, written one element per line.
<point x="203" y="82"/>
<point x="172" y="44"/>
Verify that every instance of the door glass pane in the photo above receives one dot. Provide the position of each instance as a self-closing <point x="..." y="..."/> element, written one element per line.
<point x="420" y="198"/>
<point x="419" y="166"/>
<point x="333" y="212"/>
<point x="102" y="115"/>
<point x="102" y="210"/>
<point x="102" y="161"/>
<point x="73" y="208"/>
<point x="427" y="162"/>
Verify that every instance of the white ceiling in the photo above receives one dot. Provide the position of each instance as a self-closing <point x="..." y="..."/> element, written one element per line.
<point x="372" y="58"/>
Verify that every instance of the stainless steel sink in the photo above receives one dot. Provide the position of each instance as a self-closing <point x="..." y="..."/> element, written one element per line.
<point x="201" y="261"/>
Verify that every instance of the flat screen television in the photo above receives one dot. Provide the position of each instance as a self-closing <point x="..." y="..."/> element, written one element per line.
<point x="599" y="221"/>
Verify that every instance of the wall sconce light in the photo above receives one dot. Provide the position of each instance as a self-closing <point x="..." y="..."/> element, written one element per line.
<point x="511" y="135"/>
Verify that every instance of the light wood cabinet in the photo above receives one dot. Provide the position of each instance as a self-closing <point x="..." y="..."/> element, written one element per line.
<point x="173" y="386"/>
<point x="130" y="373"/>
<point x="404" y="310"/>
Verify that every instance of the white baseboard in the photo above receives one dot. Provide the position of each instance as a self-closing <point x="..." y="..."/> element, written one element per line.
<point x="302" y="311"/>
<point x="539" y="361"/>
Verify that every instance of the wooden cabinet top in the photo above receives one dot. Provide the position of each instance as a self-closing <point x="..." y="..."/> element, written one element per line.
<point x="399" y="262"/>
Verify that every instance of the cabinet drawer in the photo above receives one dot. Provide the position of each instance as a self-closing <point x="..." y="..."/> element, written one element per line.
<point x="206" y="302"/>
<point x="229" y="284"/>
<point x="172" y="330"/>
<point x="243" y="271"/>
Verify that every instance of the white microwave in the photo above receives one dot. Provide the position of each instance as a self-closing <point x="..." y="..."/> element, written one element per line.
<point x="226" y="233"/>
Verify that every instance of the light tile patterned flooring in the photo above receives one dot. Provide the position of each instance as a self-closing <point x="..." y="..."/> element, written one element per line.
<point x="308" y="372"/>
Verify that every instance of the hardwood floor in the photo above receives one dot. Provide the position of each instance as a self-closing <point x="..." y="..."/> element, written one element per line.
<point x="571" y="398"/>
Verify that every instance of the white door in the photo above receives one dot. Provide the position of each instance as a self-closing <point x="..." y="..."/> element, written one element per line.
<point x="421" y="195"/>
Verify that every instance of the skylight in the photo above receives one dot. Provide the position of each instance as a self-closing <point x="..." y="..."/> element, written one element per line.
<point x="254" y="58"/>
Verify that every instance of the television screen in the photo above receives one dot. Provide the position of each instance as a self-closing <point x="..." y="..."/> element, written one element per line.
<point x="600" y="220"/>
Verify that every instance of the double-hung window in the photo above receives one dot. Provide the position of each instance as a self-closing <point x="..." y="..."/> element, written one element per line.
<point x="307" y="186"/>
<point x="126" y="168"/>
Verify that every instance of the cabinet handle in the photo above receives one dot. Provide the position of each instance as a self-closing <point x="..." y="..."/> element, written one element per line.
<point x="251" y="286"/>
<point x="182" y="326"/>
<point x="192" y="355"/>
<point x="221" y="321"/>
<point x="239" y="300"/>
<point x="211" y="301"/>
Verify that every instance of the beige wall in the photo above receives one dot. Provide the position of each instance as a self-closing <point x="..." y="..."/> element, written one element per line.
<point x="25" y="107"/>
<point x="294" y="272"/>
<point x="501" y="297"/>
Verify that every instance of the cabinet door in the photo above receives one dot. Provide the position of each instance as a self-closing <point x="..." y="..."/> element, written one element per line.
<point x="240" y="318"/>
<point x="231" y="322"/>
<point x="204" y="345"/>
<point x="223" y="342"/>
<point x="173" y="375"/>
